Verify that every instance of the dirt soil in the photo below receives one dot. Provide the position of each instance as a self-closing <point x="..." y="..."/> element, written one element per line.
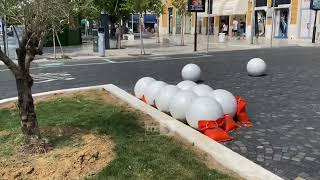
<point x="88" y="154"/>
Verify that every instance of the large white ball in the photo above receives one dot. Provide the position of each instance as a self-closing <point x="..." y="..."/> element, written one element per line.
<point x="191" y="72"/>
<point x="164" y="97"/>
<point x="256" y="67"/>
<point x="186" y="85"/>
<point x="180" y="103"/>
<point x="152" y="90"/>
<point x="203" y="108"/>
<point x="139" y="88"/>
<point x="202" y="90"/>
<point x="226" y="99"/>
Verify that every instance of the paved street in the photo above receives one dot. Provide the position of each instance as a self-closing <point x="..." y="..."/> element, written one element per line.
<point x="284" y="105"/>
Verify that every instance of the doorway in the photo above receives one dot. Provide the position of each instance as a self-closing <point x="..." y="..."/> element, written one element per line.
<point x="281" y="23"/>
<point x="223" y="20"/>
<point x="170" y="10"/>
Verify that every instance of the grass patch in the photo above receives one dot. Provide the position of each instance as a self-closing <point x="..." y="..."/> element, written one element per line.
<point x="138" y="156"/>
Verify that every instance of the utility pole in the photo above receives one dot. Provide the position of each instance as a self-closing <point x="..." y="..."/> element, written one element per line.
<point x="208" y="35"/>
<point x="272" y="21"/>
<point x="4" y="31"/>
<point x="253" y="20"/>
<point x="195" y="32"/>
<point x="314" y="28"/>
<point x="4" y="36"/>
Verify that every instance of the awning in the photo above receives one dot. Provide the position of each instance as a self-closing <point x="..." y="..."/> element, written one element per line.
<point x="218" y="7"/>
<point x="229" y="7"/>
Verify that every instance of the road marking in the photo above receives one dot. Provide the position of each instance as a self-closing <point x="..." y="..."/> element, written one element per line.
<point x="117" y="62"/>
<point x="49" y="77"/>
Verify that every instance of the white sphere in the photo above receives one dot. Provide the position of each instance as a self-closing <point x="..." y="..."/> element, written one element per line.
<point x="164" y="97"/>
<point x="186" y="85"/>
<point x="152" y="90"/>
<point x="191" y="72"/>
<point x="256" y="67"/>
<point x="180" y="103"/>
<point x="226" y="99"/>
<point x="202" y="90"/>
<point x="203" y="108"/>
<point x="139" y="88"/>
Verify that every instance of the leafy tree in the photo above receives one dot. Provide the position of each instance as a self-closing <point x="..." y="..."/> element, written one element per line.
<point x="37" y="18"/>
<point x="181" y="6"/>
<point x="141" y="7"/>
<point x="118" y="10"/>
<point x="157" y="8"/>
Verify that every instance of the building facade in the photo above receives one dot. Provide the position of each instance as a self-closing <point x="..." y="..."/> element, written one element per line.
<point x="292" y="19"/>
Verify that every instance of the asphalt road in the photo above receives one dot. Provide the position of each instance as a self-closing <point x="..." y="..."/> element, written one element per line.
<point x="284" y="105"/>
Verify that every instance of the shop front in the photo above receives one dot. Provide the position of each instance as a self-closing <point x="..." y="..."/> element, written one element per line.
<point x="306" y="20"/>
<point x="226" y="11"/>
<point x="260" y="12"/>
<point x="281" y="18"/>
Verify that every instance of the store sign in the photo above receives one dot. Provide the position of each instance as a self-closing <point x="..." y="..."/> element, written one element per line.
<point x="315" y="4"/>
<point x="196" y="6"/>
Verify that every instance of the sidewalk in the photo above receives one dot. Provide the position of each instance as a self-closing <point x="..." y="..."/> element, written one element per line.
<point x="170" y="44"/>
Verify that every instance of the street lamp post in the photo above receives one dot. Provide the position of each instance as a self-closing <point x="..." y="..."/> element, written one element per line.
<point x="272" y="21"/>
<point x="208" y="34"/>
<point x="253" y="20"/>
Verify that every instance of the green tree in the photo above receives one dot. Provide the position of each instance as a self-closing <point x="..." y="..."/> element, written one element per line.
<point x="181" y="6"/>
<point x="157" y="8"/>
<point x="141" y="7"/>
<point x="36" y="18"/>
<point x="118" y="10"/>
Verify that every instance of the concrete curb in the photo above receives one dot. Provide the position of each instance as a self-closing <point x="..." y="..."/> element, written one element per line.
<point x="223" y="155"/>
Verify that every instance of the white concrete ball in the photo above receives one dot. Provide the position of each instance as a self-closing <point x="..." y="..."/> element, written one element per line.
<point x="152" y="90"/>
<point x="162" y="100"/>
<point x="139" y="88"/>
<point x="202" y="90"/>
<point x="191" y="72"/>
<point x="186" y="85"/>
<point x="180" y="103"/>
<point x="226" y="99"/>
<point x="256" y="67"/>
<point x="203" y="108"/>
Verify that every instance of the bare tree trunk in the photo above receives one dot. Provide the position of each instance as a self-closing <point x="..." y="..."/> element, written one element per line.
<point x="54" y="44"/>
<point x="182" y="30"/>
<point x="141" y="36"/>
<point x="29" y="124"/>
<point x="158" y="29"/>
<point x="60" y="44"/>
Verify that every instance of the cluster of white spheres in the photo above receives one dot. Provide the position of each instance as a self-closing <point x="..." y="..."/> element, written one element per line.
<point x="256" y="67"/>
<point x="191" y="72"/>
<point x="163" y="98"/>
<point x="226" y="100"/>
<point x="202" y="89"/>
<point x="203" y="108"/>
<point x="152" y="90"/>
<point x="186" y="85"/>
<point x="141" y="85"/>
<point x="180" y="103"/>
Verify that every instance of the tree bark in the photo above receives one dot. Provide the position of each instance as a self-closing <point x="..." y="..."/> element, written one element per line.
<point x="182" y="29"/>
<point x="141" y="35"/>
<point x="158" y="33"/>
<point x="24" y="82"/>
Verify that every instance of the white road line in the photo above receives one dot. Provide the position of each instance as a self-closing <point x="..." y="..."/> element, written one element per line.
<point x="117" y="62"/>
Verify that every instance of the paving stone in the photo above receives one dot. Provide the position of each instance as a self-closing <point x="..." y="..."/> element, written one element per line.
<point x="309" y="158"/>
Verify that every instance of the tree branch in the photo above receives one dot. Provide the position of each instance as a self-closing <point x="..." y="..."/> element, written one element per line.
<point x="15" y="32"/>
<point x="9" y="63"/>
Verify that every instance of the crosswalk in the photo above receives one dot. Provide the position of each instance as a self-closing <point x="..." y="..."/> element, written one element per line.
<point x="49" y="77"/>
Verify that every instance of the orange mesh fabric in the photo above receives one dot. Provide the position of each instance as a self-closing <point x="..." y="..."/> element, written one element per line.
<point x="242" y="114"/>
<point x="230" y="124"/>
<point x="211" y="129"/>
<point x="218" y="134"/>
